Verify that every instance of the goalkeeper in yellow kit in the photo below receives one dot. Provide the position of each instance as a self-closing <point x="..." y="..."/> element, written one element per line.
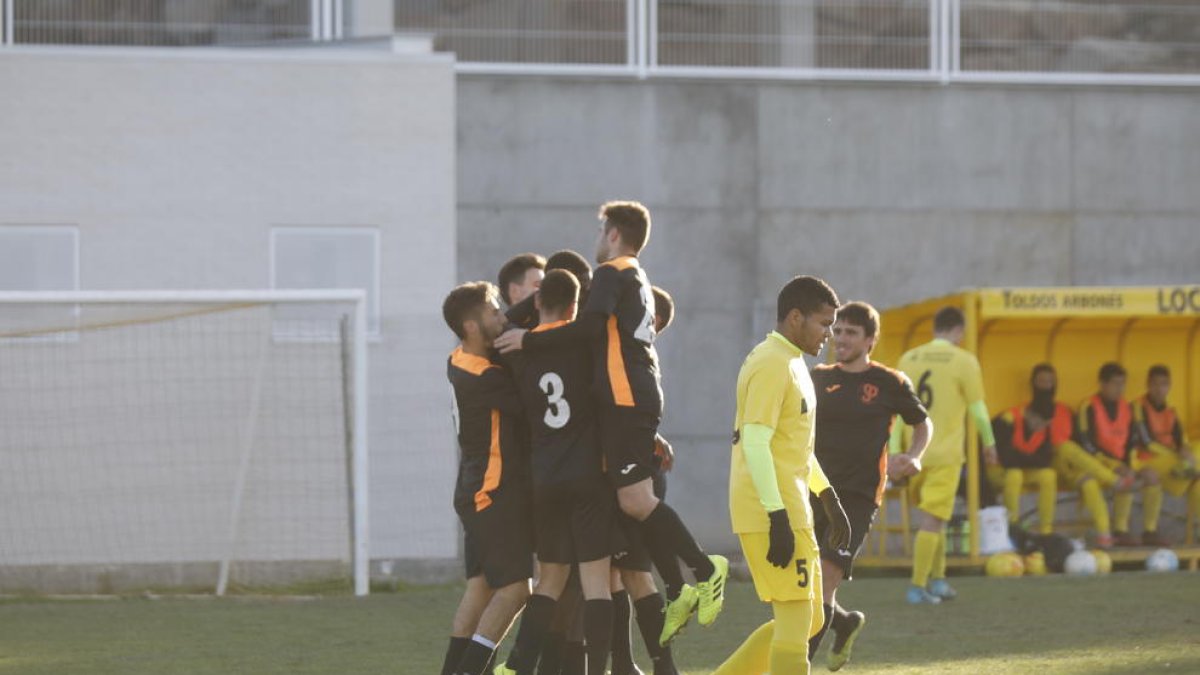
<point x="771" y="471"/>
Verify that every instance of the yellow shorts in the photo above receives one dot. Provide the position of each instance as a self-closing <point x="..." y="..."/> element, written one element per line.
<point x="799" y="581"/>
<point x="934" y="488"/>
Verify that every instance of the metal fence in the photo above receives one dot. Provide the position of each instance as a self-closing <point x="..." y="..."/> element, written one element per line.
<point x="168" y="22"/>
<point x="1067" y="41"/>
<point x="1153" y="42"/>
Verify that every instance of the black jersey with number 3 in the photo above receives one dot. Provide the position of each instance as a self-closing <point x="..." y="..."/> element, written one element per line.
<point x="555" y="386"/>
<point x="854" y="417"/>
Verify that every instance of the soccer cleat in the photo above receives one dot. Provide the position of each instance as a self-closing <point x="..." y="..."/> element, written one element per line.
<point x="712" y="591"/>
<point x="843" y="640"/>
<point x="1125" y="539"/>
<point x="1154" y="539"/>
<point x="919" y="596"/>
<point x="678" y="612"/>
<point x="634" y="671"/>
<point x="503" y="669"/>
<point x="942" y="590"/>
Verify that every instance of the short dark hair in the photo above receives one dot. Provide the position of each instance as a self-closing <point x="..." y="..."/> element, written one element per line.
<point x="1110" y="370"/>
<point x="1042" y="368"/>
<point x="514" y="270"/>
<point x="860" y="314"/>
<point x="464" y="303"/>
<point x="1157" y="370"/>
<point x="805" y="293"/>
<point x="664" y="306"/>
<point x="631" y="219"/>
<point x="559" y="289"/>
<point x="575" y="264"/>
<point x="947" y="319"/>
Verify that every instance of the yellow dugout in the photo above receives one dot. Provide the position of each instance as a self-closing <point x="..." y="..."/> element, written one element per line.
<point x="1076" y="329"/>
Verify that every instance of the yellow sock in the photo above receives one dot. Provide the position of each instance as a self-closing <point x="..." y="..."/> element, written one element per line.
<point x="789" y="645"/>
<point x="753" y="656"/>
<point x="1122" y="508"/>
<point x="924" y="549"/>
<point x="938" y="570"/>
<point x="1013" y="480"/>
<point x="1047" y="482"/>
<point x="1093" y="499"/>
<point x="788" y="659"/>
<point x="1152" y="500"/>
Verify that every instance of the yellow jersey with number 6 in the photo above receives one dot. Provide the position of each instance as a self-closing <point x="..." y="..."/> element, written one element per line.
<point x="947" y="379"/>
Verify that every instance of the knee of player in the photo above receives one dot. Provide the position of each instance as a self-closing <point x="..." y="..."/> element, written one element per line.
<point x="516" y="592"/>
<point x="639" y="584"/>
<point x="635" y="502"/>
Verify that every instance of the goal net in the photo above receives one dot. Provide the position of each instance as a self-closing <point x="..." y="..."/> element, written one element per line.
<point x="182" y="439"/>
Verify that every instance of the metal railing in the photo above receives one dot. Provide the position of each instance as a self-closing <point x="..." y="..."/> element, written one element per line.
<point x="167" y="22"/>
<point x="1059" y="41"/>
<point x="1068" y="41"/>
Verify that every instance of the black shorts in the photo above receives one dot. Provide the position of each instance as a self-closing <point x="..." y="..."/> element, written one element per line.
<point x="574" y="521"/>
<point x="860" y="511"/>
<point x="634" y="556"/>
<point x="627" y="440"/>
<point x="498" y="542"/>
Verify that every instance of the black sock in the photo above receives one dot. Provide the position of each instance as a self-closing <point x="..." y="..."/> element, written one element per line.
<point x="650" y="623"/>
<point x="552" y="654"/>
<point x="453" y="654"/>
<point x="840" y="616"/>
<point x="666" y="534"/>
<point x="574" y="659"/>
<point x="535" y="622"/>
<point x="475" y="658"/>
<point x="597" y="631"/>
<point x="814" y="642"/>
<point x="622" y="644"/>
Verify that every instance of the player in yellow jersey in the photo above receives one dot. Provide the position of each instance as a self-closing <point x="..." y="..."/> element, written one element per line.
<point x="950" y="385"/>
<point x="771" y="471"/>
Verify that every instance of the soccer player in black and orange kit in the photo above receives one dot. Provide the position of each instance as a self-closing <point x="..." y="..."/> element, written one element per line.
<point x="618" y="322"/>
<point x="573" y="502"/>
<point x="492" y="490"/>
<point x="856" y="401"/>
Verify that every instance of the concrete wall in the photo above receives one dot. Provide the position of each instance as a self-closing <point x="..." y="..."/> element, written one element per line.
<point x="892" y="193"/>
<point x="175" y="165"/>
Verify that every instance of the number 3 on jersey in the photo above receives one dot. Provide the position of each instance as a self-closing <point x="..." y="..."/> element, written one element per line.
<point x="558" y="411"/>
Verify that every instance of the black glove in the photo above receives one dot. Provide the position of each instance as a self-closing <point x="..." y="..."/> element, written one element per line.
<point x="838" y="535"/>
<point x="783" y="542"/>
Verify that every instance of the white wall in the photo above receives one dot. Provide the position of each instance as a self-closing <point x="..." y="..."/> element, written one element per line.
<point x="176" y="164"/>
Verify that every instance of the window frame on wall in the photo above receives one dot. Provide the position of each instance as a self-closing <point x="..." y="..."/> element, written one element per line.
<point x="70" y="313"/>
<point x="374" y="318"/>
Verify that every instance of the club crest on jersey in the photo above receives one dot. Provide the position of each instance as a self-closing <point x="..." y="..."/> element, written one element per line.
<point x="868" y="392"/>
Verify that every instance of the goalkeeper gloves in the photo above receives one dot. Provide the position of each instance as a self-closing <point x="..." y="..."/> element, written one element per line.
<point x="783" y="542"/>
<point x="838" y="536"/>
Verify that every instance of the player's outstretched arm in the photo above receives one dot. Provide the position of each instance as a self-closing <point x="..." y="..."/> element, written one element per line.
<point x="589" y="326"/>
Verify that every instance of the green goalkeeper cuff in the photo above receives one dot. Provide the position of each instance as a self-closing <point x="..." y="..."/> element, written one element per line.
<point x="756" y="448"/>
<point x="983" y="423"/>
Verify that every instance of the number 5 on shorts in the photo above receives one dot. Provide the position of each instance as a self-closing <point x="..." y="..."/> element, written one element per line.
<point x="802" y="572"/>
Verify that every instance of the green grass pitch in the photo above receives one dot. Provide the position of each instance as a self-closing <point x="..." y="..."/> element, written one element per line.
<point x="1124" y="623"/>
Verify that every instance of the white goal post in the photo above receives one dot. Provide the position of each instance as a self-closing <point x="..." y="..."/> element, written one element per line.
<point x="182" y="439"/>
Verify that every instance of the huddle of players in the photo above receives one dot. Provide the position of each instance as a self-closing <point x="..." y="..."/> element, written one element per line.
<point x="1107" y="443"/>
<point x="557" y="426"/>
